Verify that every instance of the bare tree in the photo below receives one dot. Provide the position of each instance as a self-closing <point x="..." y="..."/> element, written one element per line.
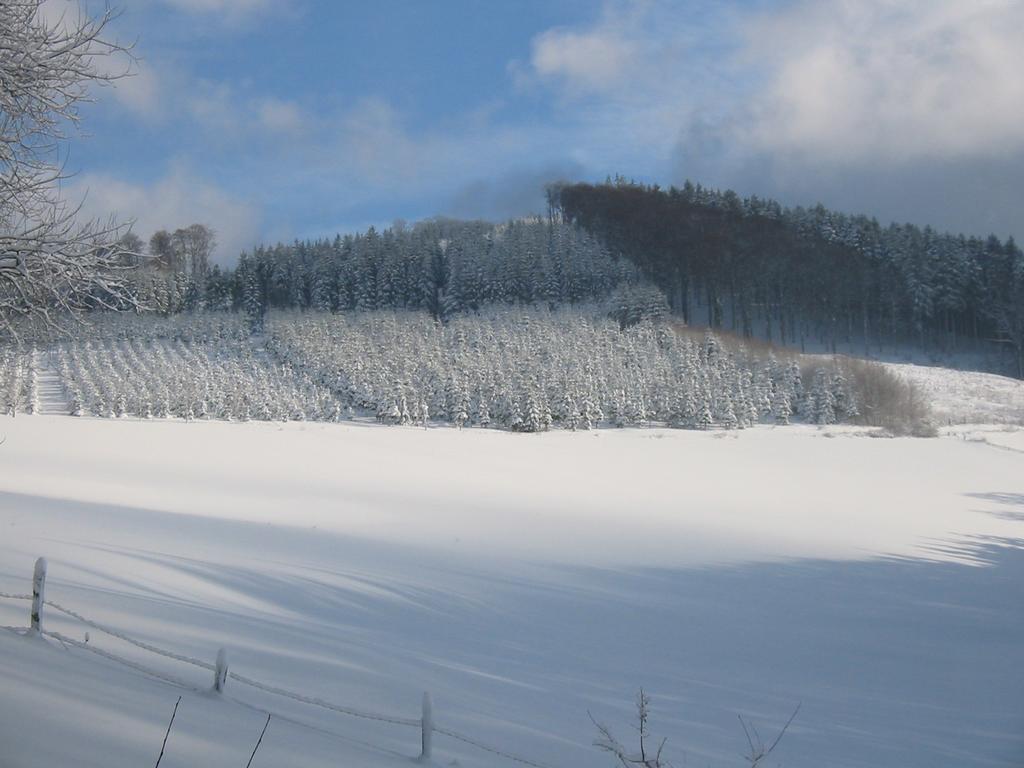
<point x="759" y="750"/>
<point x="195" y="244"/>
<point x="161" y="248"/>
<point x="133" y="249"/>
<point x="648" y="753"/>
<point x="49" y="260"/>
<point x="647" y="756"/>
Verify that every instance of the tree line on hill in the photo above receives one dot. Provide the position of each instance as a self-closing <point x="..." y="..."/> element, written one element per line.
<point x="806" y="274"/>
<point x="443" y="267"/>
<point x="799" y="276"/>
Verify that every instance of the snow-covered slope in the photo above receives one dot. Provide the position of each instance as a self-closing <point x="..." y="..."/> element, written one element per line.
<point x="524" y="580"/>
<point x="966" y="397"/>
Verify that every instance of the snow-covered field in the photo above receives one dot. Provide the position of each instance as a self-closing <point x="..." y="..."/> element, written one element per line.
<point x="523" y="580"/>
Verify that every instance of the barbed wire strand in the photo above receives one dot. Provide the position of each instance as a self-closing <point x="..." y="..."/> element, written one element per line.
<point x="323" y="704"/>
<point x="119" y="659"/>
<point x="130" y="640"/>
<point x="302" y="699"/>
<point x="485" y="748"/>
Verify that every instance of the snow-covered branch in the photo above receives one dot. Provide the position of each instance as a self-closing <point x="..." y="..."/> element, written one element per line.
<point x="50" y="261"/>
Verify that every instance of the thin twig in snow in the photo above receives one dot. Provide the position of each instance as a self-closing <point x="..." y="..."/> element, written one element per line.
<point x="164" y="745"/>
<point x="758" y="750"/>
<point x="259" y="741"/>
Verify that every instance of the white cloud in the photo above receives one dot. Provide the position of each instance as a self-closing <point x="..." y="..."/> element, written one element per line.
<point x="375" y="148"/>
<point x="177" y="200"/>
<point x="226" y="112"/>
<point x="279" y="116"/>
<point x="809" y="83"/>
<point x="223" y="7"/>
<point x="213" y="105"/>
<point x="849" y="81"/>
<point x="218" y="16"/>
<point x="141" y="92"/>
<point x="632" y="44"/>
<point x="597" y="59"/>
<point x="59" y="12"/>
<point x="134" y="83"/>
<point x="630" y="80"/>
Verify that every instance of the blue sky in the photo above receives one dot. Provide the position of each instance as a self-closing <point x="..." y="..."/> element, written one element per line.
<point x="274" y="120"/>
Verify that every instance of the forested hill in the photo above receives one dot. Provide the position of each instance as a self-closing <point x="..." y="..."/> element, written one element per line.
<point x="808" y="274"/>
<point x="443" y="267"/>
<point x="807" y="277"/>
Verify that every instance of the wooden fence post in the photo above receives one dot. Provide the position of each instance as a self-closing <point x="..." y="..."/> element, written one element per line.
<point x="220" y="672"/>
<point x="427" y="724"/>
<point x="38" y="588"/>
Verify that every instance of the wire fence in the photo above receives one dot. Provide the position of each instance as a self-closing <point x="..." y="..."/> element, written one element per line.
<point x="425" y="723"/>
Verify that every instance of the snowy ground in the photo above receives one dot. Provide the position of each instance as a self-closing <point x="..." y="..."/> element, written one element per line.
<point x="523" y="580"/>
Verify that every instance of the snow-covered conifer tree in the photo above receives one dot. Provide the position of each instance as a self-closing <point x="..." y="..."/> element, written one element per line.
<point x="822" y="410"/>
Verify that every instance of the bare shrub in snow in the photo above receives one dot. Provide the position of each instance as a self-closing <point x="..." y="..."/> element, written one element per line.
<point x="885" y="400"/>
<point x="647" y="755"/>
<point x="649" y="751"/>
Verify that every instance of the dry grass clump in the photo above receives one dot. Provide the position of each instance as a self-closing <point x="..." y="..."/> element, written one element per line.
<point x="734" y="342"/>
<point x="885" y="400"/>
